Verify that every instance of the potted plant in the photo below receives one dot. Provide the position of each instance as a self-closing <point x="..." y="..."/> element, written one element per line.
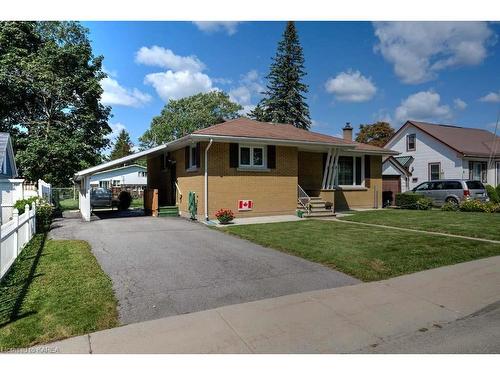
<point x="224" y="215"/>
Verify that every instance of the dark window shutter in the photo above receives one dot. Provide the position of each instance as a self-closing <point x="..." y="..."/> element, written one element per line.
<point x="367" y="171"/>
<point x="271" y="157"/>
<point x="233" y="155"/>
<point x="198" y="154"/>
<point x="186" y="156"/>
<point x="325" y="155"/>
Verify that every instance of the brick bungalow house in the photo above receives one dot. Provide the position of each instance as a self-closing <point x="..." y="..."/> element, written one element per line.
<point x="274" y="168"/>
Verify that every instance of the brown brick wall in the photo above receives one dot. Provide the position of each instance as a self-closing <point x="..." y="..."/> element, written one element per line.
<point x="345" y="199"/>
<point x="311" y="172"/>
<point x="273" y="192"/>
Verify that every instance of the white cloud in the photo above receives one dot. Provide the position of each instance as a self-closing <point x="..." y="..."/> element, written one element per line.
<point x="115" y="94"/>
<point x="116" y="128"/>
<point x="248" y="91"/>
<point x="492" y="97"/>
<point x="351" y="86"/>
<point x="230" y="27"/>
<point x="424" y="106"/>
<point x="166" y="58"/>
<point x="382" y="115"/>
<point x="459" y="104"/>
<point x="176" y="85"/>
<point x="419" y="50"/>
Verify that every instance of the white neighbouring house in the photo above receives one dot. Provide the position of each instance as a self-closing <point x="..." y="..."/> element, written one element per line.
<point x="11" y="187"/>
<point x="434" y="151"/>
<point x="130" y="176"/>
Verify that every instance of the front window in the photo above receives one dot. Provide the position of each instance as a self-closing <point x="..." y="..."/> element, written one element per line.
<point x="424" y="186"/>
<point x="252" y="156"/>
<point x="411" y="142"/>
<point x="116" y="182"/>
<point x="478" y="171"/>
<point x="434" y="171"/>
<point x="349" y="172"/>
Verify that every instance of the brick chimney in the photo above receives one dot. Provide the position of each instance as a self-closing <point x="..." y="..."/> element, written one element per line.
<point x="347" y="131"/>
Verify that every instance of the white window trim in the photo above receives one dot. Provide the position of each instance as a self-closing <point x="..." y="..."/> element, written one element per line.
<point x="414" y="142"/>
<point x="251" y="166"/>
<point x="353" y="186"/>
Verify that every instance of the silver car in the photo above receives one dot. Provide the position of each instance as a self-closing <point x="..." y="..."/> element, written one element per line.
<point x="452" y="191"/>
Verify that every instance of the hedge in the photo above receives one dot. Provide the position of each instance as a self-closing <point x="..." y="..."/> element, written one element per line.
<point x="413" y="201"/>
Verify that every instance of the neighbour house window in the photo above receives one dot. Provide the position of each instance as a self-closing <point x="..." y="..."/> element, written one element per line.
<point x="116" y="182"/>
<point x="349" y="171"/>
<point x="104" y="184"/>
<point x="411" y="142"/>
<point x="142" y="174"/>
<point x="251" y="156"/>
<point x="478" y="171"/>
<point x="434" y="171"/>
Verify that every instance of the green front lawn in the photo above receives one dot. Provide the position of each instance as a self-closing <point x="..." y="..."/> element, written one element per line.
<point x="56" y="289"/>
<point x="367" y="253"/>
<point x="472" y="224"/>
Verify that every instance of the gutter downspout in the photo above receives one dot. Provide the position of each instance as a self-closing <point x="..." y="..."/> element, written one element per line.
<point x="206" y="178"/>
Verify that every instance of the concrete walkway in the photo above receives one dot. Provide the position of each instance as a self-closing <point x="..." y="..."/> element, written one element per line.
<point x="410" y="230"/>
<point x="339" y="320"/>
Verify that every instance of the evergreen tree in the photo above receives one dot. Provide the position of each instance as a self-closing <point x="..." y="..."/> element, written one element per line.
<point x="122" y="146"/>
<point x="284" y="100"/>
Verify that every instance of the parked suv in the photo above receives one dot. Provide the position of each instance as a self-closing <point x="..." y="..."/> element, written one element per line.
<point x="453" y="191"/>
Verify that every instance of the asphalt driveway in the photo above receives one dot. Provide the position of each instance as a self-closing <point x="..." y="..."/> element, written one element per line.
<point x="169" y="266"/>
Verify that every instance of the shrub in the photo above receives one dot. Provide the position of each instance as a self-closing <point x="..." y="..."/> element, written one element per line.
<point x="224" y="215"/>
<point x="21" y="203"/>
<point x="405" y="200"/>
<point x="474" y="206"/>
<point x="44" y="211"/>
<point x="413" y="201"/>
<point x="498" y="191"/>
<point x="124" y="200"/>
<point x="423" y="203"/>
<point x="492" y="193"/>
<point x="448" y="206"/>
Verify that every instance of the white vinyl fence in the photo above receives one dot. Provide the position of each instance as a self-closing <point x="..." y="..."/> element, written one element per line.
<point x="15" y="234"/>
<point x="45" y="190"/>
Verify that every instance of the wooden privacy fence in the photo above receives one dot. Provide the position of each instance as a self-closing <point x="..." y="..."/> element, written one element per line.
<point x="151" y="202"/>
<point x="14" y="235"/>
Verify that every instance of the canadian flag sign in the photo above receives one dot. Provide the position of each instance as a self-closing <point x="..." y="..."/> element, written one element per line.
<point x="245" y="205"/>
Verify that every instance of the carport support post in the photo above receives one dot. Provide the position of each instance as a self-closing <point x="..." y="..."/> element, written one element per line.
<point x="84" y="197"/>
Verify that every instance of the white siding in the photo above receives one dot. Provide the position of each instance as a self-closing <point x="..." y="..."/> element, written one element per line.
<point x="428" y="150"/>
<point x="126" y="176"/>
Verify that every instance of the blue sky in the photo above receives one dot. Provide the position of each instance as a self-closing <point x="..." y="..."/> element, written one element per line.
<point x="359" y="72"/>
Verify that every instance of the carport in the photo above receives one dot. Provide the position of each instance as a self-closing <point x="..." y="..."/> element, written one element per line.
<point x="82" y="178"/>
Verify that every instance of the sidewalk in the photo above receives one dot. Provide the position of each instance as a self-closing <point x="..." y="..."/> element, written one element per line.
<point x="336" y="320"/>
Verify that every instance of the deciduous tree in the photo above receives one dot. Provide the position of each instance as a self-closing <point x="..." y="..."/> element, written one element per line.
<point x="376" y="134"/>
<point x="184" y="116"/>
<point x="50" y="99"/>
